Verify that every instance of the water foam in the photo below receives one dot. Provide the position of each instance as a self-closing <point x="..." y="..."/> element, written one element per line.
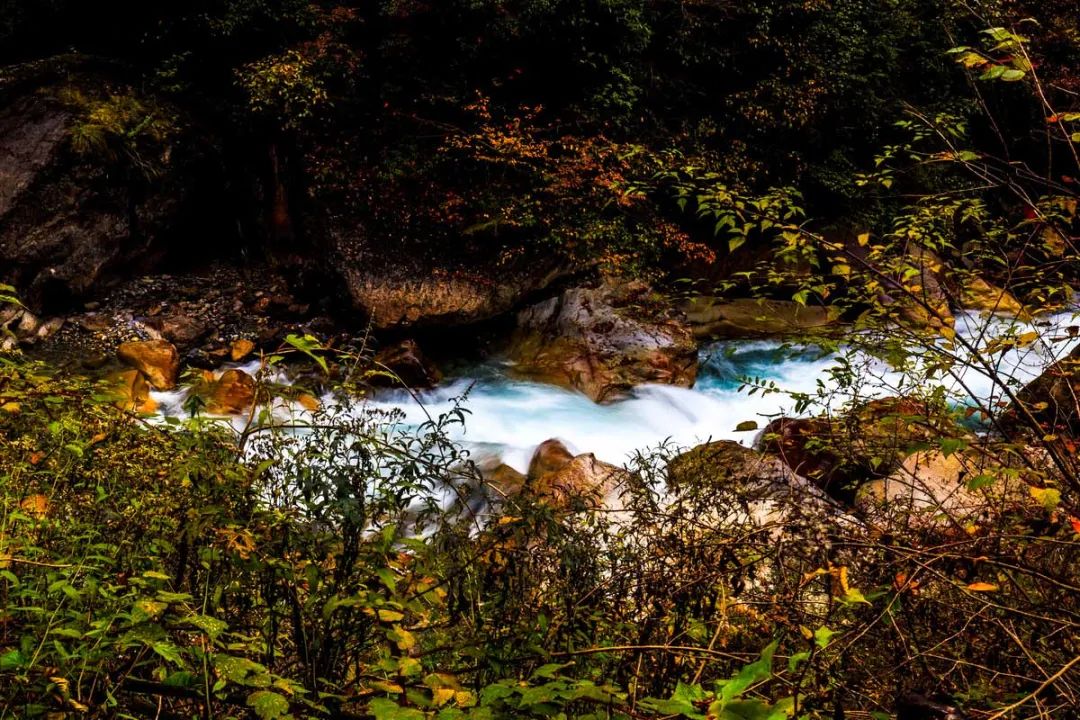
<point x="508" y="418"/>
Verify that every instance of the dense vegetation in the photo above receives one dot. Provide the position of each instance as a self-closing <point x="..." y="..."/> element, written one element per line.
<point x="889" y="158"/>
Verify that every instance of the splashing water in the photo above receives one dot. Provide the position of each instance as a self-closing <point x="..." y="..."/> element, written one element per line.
<point x="508" y="418"/>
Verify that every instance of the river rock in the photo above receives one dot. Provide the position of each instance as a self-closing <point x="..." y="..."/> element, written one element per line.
<point x="231" y="394"/>
<point x="180" y="329"/>
<point x="721" y="484"/>
<point x="923" y="299"/>
<point x="240" y="349"/>
<point x="719" y="319"/>
<point x="840" y="453"/>
<point x="977" y="294"/>
<point x="396" y="298"/>
<point x="71" y="222"/>
<point x="408" y="366"/>
<point x="158" y="360"/>
<point x="564" y="480"/>
<point x="942" y="489"/>
<point x="604" y="341"/>
<point x="550" y="456"/>
<point x="133" y="391"/>
<point x="1052" y="400"/>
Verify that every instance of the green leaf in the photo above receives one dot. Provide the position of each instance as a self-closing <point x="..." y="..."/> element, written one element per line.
<point x="12" y="660"/>
<point x="950" y="446"/>
<point x="268" y="705"/>
<point x="823" y="636"/>
<point x="755" y="672"/>
<point x="794" y="661"/>
<point x="384" y="709"/>
<point x="169" y="651"/>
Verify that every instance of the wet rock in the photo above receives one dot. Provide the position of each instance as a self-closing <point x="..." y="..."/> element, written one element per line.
<point x="924" y="301"/>
<point x="723" y="483"/>
<point x="748" y="317"/>
<point x="133" y="391"/>
<point x="505" y="480"/>
<point x="566" y="481"/>
<point x="550" y="456"/>
<point x="1050" y="401"/>
<point x="231" y="394"/>
<point x="182" y="330"/>
<point x="69" y="224"/>
<point x="240" y="349"/>
<point x="408" y="365"/>
<point x="979" y="295"/>
<point x="718" y="464"/>
<point x="158" y="360"/>
<point x="840" y="453"/>
<point x="604" y="341"/>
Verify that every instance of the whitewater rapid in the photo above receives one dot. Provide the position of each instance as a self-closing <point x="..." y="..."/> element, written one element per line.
<point x="507" y="418"/>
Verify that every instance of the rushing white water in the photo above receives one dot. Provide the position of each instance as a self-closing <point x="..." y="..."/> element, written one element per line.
<point x="509" y="418"/>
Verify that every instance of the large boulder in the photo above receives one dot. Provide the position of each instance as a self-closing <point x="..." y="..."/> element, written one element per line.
<point x="977" y="294"/>
<point x="723" y="484"/>
<point x="718" y="319"/>
<point x="604" y="341"/>
<point x="838" y="454"/>
<point x="82" y="204"/>
<point x="396" y="289"/>
<point x="566" y="481"/>
<point x="1050" y="401"/>
<point x="935" y="488"/>
<point x="158" y="360"/>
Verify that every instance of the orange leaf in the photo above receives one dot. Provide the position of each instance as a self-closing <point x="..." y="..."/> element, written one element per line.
<point x="1075" y="522"/>
<point x="982" y="587"/>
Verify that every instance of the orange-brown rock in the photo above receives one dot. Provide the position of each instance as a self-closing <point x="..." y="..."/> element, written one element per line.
<point x="550" y="456"/>
<point x="232" y="393"/>
<point x="604" y="341"/>
<point x="133" y="392"/>
<point x="840" y="453"/>
<point x="240" y="349"/>
<point x="158" y="360"/>
<point x="564" y="481"/>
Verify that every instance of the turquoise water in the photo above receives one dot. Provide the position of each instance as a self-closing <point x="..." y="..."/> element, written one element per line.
<point x="507" y="418"/>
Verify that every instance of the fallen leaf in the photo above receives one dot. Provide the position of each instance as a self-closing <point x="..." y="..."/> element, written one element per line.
<point x="982" y="587"/>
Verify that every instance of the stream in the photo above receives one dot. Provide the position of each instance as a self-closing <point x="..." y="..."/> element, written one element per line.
<point x="507" y="417"/>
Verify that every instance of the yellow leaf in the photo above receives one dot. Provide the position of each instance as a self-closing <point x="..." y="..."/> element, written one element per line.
<point x="507" y="519"/>
<point x="982" y="587"/>
<point x="405" y="640"/>
<point x="385" y="686"/>
<point x="842" y="577"/>
<point x="10" y="407"/>
<point x="408" y="666"/>
<point x="391" y="615"/>
<point x="464" y="698"/>
<point x="1025" y="339"/>
<point x="1049" y="498"/>
<point x="864" y="238"/>
<point x="443" y="695"/>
